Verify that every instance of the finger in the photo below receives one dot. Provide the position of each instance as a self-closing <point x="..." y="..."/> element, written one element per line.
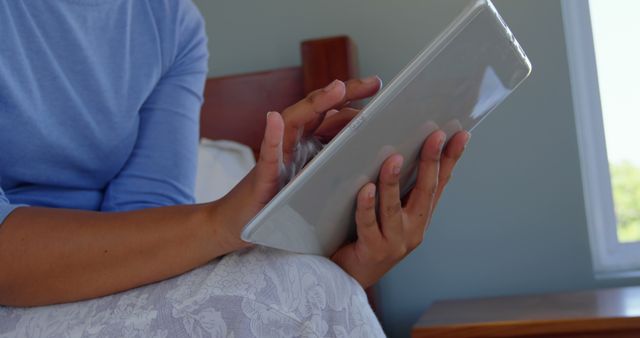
<point x="270" y="159"/>
<point x="390" y="205"/>
<point x="334" y="122"/>
<point x="330" y="113"/>
<point x="358" y="89"/>
<point x="308" y="113"/>
<point x="450" y="156"/>
<point x="355" y="89"/>
<point x="419" y="204"/>
<point x="366" y="220"/>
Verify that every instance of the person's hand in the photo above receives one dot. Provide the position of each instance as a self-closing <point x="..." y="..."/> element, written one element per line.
<point x="387" y="236"/>
<point x="323" y="113"/>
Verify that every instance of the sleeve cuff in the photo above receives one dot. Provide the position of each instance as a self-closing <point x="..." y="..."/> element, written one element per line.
<point x="6" y="209"/>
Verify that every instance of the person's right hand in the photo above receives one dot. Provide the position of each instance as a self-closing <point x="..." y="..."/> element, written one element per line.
<point x="323" y="113"/>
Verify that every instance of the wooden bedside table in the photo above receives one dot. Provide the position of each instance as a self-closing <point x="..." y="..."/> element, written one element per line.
<point x="597" y="313"/>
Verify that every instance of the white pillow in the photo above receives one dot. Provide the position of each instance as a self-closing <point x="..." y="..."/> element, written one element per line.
<point x="221" y="165"/>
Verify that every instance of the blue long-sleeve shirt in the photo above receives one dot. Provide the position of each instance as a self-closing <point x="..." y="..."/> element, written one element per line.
<point x="99" y="103"/>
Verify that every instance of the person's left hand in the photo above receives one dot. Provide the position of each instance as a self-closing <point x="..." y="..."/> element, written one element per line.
<point x="386" y="237"/>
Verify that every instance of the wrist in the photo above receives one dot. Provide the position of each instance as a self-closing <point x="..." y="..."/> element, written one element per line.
<point x="225" y="229"/>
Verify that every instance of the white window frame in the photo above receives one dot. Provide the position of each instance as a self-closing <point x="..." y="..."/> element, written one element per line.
<point x="610" y="257"/>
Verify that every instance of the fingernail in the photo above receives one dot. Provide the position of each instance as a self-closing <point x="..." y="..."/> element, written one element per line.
<point x="331" y="112"/>
<point x="396" y="170"/>
<point x="268" y="114"/>
<point x="372" y="192"/>
<point x="441" y="142"/>
<point x="467" y="138"/>
<point x="332" y="86"/>
<point x="371" y="79"/>
<point x="397" y="167"/>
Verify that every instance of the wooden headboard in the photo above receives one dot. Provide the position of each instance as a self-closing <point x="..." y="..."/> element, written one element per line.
<point x="235" y="106"/>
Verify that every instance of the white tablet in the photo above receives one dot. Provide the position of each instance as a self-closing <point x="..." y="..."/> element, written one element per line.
<point x="470" y="68"/>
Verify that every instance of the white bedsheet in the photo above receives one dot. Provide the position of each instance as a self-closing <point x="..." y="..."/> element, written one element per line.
<point x="258" y="292"/>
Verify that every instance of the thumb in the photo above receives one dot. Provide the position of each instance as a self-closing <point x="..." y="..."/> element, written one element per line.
<point x="269" y="164"/>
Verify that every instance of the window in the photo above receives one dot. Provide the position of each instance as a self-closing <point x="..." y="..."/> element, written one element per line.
<point x="604" y="56"/>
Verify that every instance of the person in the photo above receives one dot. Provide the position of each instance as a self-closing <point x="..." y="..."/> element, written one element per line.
<point x="99" y="103"/>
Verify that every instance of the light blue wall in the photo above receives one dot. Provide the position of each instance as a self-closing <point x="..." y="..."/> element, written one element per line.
<point x="512" y="220"/>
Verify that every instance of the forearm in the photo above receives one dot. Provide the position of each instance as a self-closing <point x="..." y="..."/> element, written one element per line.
<point x="52" y="256"/>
